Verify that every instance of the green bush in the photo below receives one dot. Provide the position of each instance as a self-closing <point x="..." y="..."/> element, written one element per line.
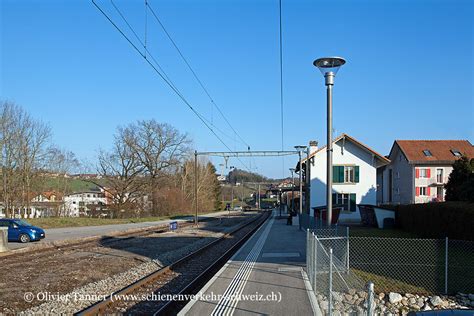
<point x="454" y="220"/>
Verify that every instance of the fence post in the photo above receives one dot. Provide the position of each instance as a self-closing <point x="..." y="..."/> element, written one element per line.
<point x="330" y="284"/>
<point x="347" y="248"/>
<point x="315" y="260"/>
<point x="446" y="266"/>
<point x="370" y="299"/>
<point x="308" y="253"/>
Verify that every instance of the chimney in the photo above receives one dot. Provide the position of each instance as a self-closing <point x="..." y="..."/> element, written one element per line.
<point x="313" y="146"/>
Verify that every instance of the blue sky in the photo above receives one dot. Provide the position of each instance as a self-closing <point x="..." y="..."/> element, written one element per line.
<point x="409" y="73"/>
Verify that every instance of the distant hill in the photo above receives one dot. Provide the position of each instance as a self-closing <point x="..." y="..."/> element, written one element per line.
<point x="238" y="175"/>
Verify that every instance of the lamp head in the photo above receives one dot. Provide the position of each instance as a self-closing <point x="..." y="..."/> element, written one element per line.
<point x="329" y="66"/>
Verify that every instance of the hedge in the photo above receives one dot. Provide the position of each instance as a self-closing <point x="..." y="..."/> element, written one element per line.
<point x="454" y="220"/>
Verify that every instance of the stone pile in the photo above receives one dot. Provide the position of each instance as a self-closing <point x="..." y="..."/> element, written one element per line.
<point x="355" y="303"/>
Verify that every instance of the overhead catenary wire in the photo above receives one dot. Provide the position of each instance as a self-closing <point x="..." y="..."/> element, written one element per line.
<point x="163" y="75"/>
<point x="194" y="73"/>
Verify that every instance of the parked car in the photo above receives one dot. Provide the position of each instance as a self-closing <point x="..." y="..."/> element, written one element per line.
<point x="22" y="231"/>
<point x="238" y="208"/>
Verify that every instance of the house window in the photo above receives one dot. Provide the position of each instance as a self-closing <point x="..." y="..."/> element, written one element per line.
<point x="427" y="153"/>
<point x="439" y="175"/>
<point x="345" y="200"/>
<point x="423" y="191"/>
<point x="348" y="174"/>
<point x="423" y="173"/>
<point x="345" y="174"/>
<point x="456" y="152"/>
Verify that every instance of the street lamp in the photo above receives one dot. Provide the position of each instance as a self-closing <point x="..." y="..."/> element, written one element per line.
<point x="300" y="149"/>
<point x="329" y="67"/>
<point x="292" y="170"/>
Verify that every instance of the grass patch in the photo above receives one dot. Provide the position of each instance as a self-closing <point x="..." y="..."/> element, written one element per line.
<point x="60" y="222"/>
<point x="384" y="284"/>
<point x="376" y="232"/>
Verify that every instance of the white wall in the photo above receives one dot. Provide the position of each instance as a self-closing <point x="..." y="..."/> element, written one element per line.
<point x="73" y="208"/>
<point x="402" y="181"/>
<point x="352" y="154"/>
<point x="431" y="181"/>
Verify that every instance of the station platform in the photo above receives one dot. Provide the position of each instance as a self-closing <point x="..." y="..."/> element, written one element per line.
<point x="265" y="277"/>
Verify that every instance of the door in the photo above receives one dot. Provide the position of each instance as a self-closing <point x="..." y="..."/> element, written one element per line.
<point x="439" y="194"/>
<point x="13" y="231"/>
<point x="5" y="224"/>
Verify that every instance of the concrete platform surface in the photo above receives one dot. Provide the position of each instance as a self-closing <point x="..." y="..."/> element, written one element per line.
<point x="265" y="277"/>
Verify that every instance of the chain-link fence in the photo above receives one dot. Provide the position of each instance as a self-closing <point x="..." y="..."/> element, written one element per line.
<point x="422" y="266"/>
<point x="341" y="267"/>
<point x="336" y="289"/>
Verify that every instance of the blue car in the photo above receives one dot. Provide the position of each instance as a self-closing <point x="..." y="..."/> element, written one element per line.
<point x="22" y="231"/>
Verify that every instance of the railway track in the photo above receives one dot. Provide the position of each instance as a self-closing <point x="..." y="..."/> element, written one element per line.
<point x="183" y="277"/>
<point x="106" y="240"/>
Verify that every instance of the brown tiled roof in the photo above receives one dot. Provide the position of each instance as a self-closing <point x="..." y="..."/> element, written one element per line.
<point x="355" y="141"/>
<point x="441" y="150"/>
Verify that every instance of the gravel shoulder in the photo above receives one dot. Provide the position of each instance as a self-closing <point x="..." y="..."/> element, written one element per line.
<point x="100" y="268"/>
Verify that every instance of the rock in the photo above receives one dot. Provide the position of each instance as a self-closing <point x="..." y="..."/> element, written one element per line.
<point x="337" y="297"/>
<point x="471" y="303"/>
<point x="426" y="308"/>
<point x="381" y="296"/>
<point x="415" y="307"/>
<point x="324" y="305"/>
<point x="352" y="291"/>
<point x="436" y="301"/>
<point x="412" y="301"/>
<point x="348" y="297"/>
<point x="408" y="295"/>
<point x="471" y="297"/>
<point x="362" y="294"/>
<point x="404" y="301"/>
<point x="420" y="302"/>
<point x="394" y="297"/>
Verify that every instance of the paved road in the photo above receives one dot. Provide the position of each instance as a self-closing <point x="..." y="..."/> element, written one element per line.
<point x="56" y="234"/>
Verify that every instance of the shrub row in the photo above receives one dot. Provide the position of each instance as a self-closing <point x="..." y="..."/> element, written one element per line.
<point x="454" y="220"/>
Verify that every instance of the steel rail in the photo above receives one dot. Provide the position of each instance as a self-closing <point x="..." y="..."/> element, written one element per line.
<point x="101" y="306"/>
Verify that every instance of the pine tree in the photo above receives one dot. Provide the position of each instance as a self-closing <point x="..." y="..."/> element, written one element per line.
<point x="460" y="186"/>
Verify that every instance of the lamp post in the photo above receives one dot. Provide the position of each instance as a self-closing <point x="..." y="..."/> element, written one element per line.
<point x="292" y="170"/>
<point x="329" y="67"/>
<point x="300" y="149"/>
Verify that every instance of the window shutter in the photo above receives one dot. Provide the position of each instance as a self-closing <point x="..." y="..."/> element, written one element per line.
<point x="428" y="189"/>
<point x="356" y="175"/>
<point x="335" y="174"/>
<point x="428" y="174"/>
<point x="341" y="174"/>
<point x="352" y="202"/>
<point x="417" y="191"/>
<point x="417" y="172"/>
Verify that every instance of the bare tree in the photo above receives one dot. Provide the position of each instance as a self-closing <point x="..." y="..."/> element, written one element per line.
<point x="159" y="147"/>
<point x="23" y="142"/>
<point x="62" y="162"/>
<point x="122" y="172"/>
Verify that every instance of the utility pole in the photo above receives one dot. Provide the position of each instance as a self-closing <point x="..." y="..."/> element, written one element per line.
<point x="195" y="189"/>
<point x="292" y="170"/>
<point x="308" y="181"/>
<point x="300" y="150"/>
<point x="259" y="201"/>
